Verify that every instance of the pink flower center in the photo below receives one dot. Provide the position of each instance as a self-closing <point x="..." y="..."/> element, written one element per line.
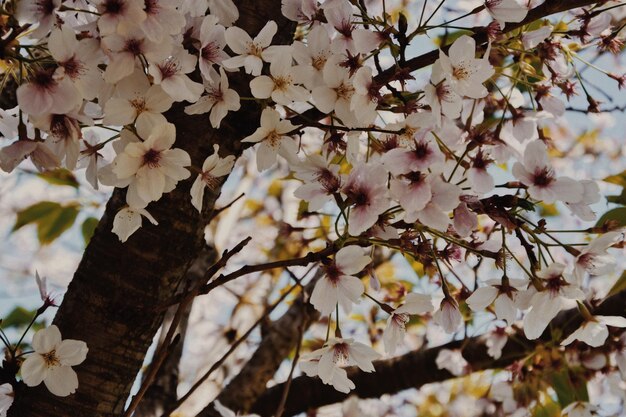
<point x="134" y="46"/>
<point x="152" y="158"/>
<point x="114" y="7"/>
<point x="45" y="7"/>
<point x="51" y="359"/>
<point x="169" y="68"/>
<point x="543" y="177"/>
<point x="73" y="67"/>
<point x="210" y="52"/>
<point x="151" y="6"/>
<point x="44" y="80"/>
<point x="341" y="353"/>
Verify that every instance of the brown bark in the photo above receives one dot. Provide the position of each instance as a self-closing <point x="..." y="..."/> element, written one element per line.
<point x="112" y="302"/>
<point x="161" y="394"/>
<point x="418" y="368"/>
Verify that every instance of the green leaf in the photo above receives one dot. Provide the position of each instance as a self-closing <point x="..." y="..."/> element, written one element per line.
<point x="55" y="224"/>
<point x="618" y="199"/>
<point x="619" y="286"/>
<point x="569" y="387"/>
<point x="618" y="179"/>
<point x="35" y="213"/>
<point x="18" y="317"/>
<point x="52" y="219"/>
<point x="59" y="176"/>
<point x="617" y="214"/>
<point x="88" y="228"/>
<point x="549" y="409"/>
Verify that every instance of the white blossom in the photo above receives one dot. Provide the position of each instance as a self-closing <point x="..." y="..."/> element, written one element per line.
<point x="128" y="220"/>
<point x="52" y="362"/>
<point x="465" y="73"/>
<point x="213" y="168"/>
<point x="6" y="398"/>
<point x="273" y="138"/>
<point x="414" y="303"/>
<point x="250" y="52"/>
<point x="218" y="100"/>
<point x="339" y="285"/>
<point x="150" y="167"/>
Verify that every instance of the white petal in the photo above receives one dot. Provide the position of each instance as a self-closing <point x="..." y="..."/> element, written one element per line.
<point x="47" y="340"/>
<point x="61" y="381"/>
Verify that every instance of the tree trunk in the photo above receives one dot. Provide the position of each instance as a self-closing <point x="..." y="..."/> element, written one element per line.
<point x="113" y="302"/>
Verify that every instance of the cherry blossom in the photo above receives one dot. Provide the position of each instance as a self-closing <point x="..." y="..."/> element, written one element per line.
<point x="250" y="52"/>
<point x="537" y="172"/>
<point x="273" y="138"/>
<point x="502" y="294"/>
<point x="366" y="192"/>
<point x="213" y="168"/>
<point x="350" y="37"/>
<point x="218" y="100"/>
<point x="212" y="43"/>
<point x="170" y="75"/>
<point x="595" y="259"/>
<point x="128" y="220"/>
<point x="119" y="16"/>
<point x="151" y="167"/>
<point x="312" y="57"/>
<point x="506" y="11"/>
<point x="299" y="10"/>
<point x="337" y="352"/>
<point x="414" y="303"/>
<point x="7" y="395"/>
<point x="281" y="85"/>
<point x="448" y="315"/>
<point x="546" y="304"/>
<point x="465" y="73"/>
<point x="321" y="180"/>
<point x="42" y="12"/>
<point x="64" y="134"/>
<point x="336" y="93"/>
<point x="594" y="330"/>
<point x="52" y="361"/>
<point x="162" y="19"/>
<point x="39" y="153"/>
<point x="44" y="93"/>
<point x="339" y="285"/>
<point x="443" y="100"/>
<point x="77" y="60"/>
<point x="452" y="361"/>
<point x="124" y="50"/>
<point x="423" y="154"/>
<point x="136" y="101"/>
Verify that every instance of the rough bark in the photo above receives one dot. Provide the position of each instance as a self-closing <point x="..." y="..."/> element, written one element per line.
<point x="418" y="368"/>
<point x="161" y="394"/>
<point x="113" y="300"/>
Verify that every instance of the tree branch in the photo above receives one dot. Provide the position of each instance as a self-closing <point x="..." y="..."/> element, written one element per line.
<point x="243" y="390"/>
<point x="418" y="368"/>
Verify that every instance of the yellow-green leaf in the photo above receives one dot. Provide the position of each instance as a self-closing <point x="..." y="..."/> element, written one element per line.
<point x="52" y="226"/>
<point x="34" y="213"/>
<point x="88" y="228"/>
<point x="618" y="179"/>
<point x="616" y="214"/>
<point x="52" y="219"/>
<point x="59" y="176"/>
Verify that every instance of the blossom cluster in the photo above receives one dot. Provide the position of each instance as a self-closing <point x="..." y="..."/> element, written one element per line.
<point x="408" y="167"/>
